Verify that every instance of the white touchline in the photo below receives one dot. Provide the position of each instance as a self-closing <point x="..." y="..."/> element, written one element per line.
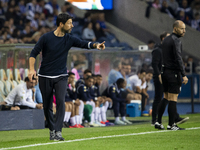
<point x="92" y="138"/>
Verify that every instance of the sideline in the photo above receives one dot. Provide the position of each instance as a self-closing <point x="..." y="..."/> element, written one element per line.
<point x="93" y="138"/>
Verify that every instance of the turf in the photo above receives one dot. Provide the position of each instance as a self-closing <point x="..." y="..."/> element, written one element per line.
<point x="173" y="140"/>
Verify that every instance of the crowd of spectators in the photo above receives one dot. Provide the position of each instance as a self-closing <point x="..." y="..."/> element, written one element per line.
<point x="25" y="21"/>
<point x="186" y="10"/>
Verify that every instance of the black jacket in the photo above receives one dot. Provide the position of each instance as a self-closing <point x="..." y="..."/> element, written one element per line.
<point x="171" y="52"/>
<point x="156" y="60"/>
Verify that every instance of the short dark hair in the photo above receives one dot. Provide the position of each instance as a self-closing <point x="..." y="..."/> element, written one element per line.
<point x="150" y="70"/>
<point x="70" y="73"/>
<point x="163" y="35"/>
<point x="93" y="75"/>
<point x="63" y="17"/>
<point x="151" y="41"/>
<point x="99" y="75"/>
<point x="87" y="71"/>
<point x="141" y="70"/>
<point x="27" y="79"/>
<point x="120" y="81"/>
<point x="89" y="77"/>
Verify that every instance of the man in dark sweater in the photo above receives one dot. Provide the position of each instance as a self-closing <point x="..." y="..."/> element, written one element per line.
<point x="173" y="69"/>
<point x="55" y="46"/>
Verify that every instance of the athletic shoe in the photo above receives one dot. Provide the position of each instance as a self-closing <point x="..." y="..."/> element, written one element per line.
<point x="65" y="124"/>
<point x="127" y="122"/>
<point x="159" y="126"/>
<point x="109" y="124"/>
<point x="174" y="127"/>
<point x="80" y="126"/>
<point x="103" y="122"/>
<point x="74" y="126"/>
<point x="102" y="125"/>
<point x="86" y="124"/>
<point x="119" y="122"/>
<point x="153" y="123"/>
<point x="181" y="120"/>
<point x="94" y="125"/>
<point x="52" y="135"/>
<point x="58" y="136"/>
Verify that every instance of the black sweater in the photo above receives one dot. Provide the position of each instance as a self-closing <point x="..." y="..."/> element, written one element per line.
<point x="157" y="60"/>
<point x="54" y="52"/>
<point x="171" y="52"/>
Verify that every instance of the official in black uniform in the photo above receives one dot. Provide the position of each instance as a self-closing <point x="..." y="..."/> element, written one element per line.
<point x="156" y="65"/>
<point x="173" y="71"/>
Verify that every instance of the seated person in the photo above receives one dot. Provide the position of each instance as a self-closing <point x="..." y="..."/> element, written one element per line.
<point x="73" y="107"/>
<point x="21" y="96"/>
<point x="145" y="81"/>
<point x="94" y="94"/>
<point x="86" y="73"/>
<point x="119" y="103"/>
<point x="104" y="104"/>
<point x="37" y="96"/>
<point x="83" y="93"/>
<point x="138" y="87"/>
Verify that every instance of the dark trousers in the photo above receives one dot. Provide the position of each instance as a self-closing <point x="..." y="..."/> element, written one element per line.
<point x="47" y="85"/>
<point x="157" y="97"/>
<point x="119" y="107"/>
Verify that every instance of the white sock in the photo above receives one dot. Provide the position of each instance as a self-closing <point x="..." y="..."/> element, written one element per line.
<point x="67" y="116"/>
<point x="77" y="119"/>
<point x="103" y="114"/>
<point x="99" y="118"/>
<point x="96" y="114"/>
<point x="116" y="119"/>
<point x="123" y="118"/>
<point x="72" y="121"/>
<point x="81" y="108"/>
<point x="106" y="105"/>
<point x="92" y="118"/>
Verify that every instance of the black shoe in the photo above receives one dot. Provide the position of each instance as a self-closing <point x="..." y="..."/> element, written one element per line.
<point x="65" y="124"/>
<point x="159" y="126"/>
<point x="58" y="136"/>
<point x="181" y="120"/>
<point x="174" y="127"/>
<point x="52" y="135"/>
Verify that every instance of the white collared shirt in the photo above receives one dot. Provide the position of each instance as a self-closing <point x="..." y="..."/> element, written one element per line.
<point x="21" y="95"/>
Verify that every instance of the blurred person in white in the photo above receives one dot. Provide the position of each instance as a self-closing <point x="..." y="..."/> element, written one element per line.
<point x="21" y="96"/>
<point x="88" y="33"/>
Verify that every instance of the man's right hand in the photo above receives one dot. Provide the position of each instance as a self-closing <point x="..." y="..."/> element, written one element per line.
<point x="160" y="79"/>
<point x="31" y="74"/>
<point x="185" y="80"/>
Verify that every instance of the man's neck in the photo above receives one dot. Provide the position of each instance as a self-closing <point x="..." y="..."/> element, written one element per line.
<point x="58" y="33"/>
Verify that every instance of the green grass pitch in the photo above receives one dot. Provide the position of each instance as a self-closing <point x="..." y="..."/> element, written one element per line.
<point x="139" y="136"/>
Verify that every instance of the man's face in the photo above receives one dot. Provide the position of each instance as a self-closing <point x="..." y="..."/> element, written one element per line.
<point x="30" y="84"/>
<point x="181" y="29"/>
<point x="89" y="82"/>
<point x="71" y="79"/>
<point x="95" y="80"/>
<point x="142" y="75"/>
<point x="67" y="27"/>
<point x="149" y="76"/>
<point x="128" y="69"/>
<point x="99" y="80"/>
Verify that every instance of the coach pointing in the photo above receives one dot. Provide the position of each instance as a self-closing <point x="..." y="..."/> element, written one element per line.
<point x="55" y="46"/>
<point x="173" y="73"/>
